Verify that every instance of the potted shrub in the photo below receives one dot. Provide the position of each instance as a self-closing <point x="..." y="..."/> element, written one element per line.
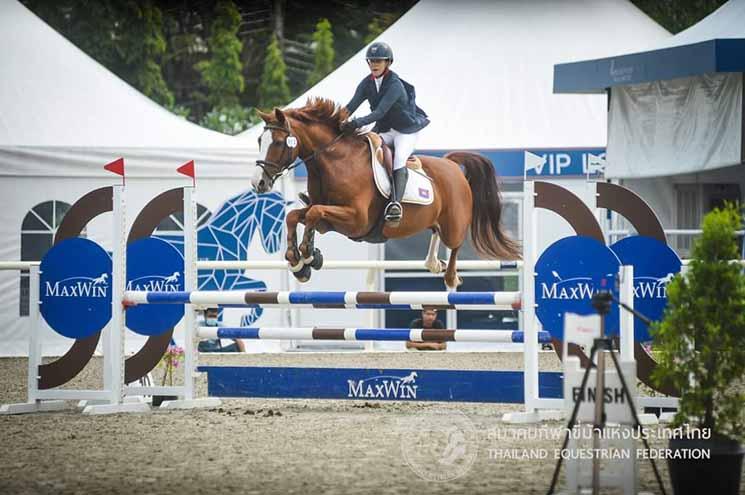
<point x="700" y="344"/>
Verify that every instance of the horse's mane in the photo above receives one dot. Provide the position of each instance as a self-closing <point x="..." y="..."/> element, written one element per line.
<point x="320" y="110"/>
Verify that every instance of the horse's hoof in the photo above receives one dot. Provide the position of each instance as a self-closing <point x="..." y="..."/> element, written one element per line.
<point x="438" y="266"/>
<point x="458" y="283"/>
<point x="317" y="262"/>
<point x="303" y="275"/>
<point x="294" y="267"/>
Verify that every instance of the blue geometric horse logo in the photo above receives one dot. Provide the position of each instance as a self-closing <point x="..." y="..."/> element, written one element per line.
<point x="228" y="235"/>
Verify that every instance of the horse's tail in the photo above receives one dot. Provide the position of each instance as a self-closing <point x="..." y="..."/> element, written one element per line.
<point x="487" y="235"/>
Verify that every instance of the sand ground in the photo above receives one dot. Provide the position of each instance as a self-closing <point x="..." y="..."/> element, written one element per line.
<point x="274" y="446"/>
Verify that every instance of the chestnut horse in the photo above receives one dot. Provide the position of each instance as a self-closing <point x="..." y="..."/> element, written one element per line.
<point x="344" y="198"/>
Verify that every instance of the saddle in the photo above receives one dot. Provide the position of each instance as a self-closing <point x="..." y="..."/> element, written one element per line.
<point x="419" y="188"/>
<point x="384" y="154"/>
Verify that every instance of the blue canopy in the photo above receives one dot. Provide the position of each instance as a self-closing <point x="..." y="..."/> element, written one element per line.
<point x="594" y="76"/>
<point x="716" y="44"/>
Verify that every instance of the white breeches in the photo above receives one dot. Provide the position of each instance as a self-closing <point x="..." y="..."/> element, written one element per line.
<point x="403" y="143"/>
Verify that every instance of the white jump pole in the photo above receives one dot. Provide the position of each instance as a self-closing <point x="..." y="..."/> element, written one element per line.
<point x="191" y="349"/>
<point x="113" y="336"/>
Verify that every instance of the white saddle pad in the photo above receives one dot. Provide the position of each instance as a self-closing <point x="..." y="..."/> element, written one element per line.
<point x="419" y="190"/>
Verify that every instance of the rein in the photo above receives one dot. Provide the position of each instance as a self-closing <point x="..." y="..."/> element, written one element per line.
<point x="283" y="169"/>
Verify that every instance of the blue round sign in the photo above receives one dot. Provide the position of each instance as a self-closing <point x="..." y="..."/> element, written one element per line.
<point x="655" y="265"/>
<point x="75" y="288"/>
<point x="154" y="265"/>
<point x="568" y="273"/>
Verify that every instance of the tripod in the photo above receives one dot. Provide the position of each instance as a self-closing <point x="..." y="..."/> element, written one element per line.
<point x="602" y="302"/>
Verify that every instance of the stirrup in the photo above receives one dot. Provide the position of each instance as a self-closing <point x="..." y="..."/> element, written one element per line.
<point x="393" y="212"/>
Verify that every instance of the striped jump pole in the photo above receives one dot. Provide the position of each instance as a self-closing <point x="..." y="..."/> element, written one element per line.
<point x="320" y="299"/>
<point x="388" y="334"/>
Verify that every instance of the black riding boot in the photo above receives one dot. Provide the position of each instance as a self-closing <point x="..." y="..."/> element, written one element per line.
<point x="394" y="210"/>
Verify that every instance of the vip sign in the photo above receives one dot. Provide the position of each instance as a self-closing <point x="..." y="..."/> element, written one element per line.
<point x="543" y="163"/>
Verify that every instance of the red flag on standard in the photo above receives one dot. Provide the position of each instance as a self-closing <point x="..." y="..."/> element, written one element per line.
<point x="117" y="166"/>
<point x="187" y="169"/>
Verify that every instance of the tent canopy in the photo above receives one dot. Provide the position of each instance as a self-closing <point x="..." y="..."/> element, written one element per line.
<point x="62" y="113"/>
<point x="483" y="69"/>
<point x="716" y="44"/>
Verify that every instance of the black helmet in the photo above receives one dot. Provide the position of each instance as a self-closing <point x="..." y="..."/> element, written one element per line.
<point x="379" y="51"/>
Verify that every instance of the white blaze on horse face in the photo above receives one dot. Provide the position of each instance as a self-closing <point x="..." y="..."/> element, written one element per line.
<point x="259" y="176"/>
<point x="256" y="178"/>
<point x="264" y="142"/>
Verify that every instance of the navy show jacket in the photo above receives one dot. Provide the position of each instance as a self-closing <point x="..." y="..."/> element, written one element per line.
<point x="393" y="107"/>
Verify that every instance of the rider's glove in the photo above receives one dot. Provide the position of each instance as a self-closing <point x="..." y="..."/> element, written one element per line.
<point x="348" y="127"/>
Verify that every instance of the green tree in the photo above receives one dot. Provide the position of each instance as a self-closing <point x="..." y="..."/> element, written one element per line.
<point x="701" y="340"/>
<point x="231" y="119"/>
<point x="323" y="41"/>
<point x="222" y="73"/>
<point x="380" y="23"/>
<point x="143" y="48"/>
<point x="274" y="90"/>
<point x="675" y="15"/>
<point x="126" y="37"/>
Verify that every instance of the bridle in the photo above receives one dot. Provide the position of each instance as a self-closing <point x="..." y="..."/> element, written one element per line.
<point x="290" y="142"/>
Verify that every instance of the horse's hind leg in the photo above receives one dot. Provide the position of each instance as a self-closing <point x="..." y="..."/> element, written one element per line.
<point x="432" y="263"/>
<point x="453" y="234"/>
<point x="452" y="280"/>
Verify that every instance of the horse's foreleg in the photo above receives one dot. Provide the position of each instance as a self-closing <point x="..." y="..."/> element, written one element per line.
<point x="292" y="255"/>
<point x="332" y="215"/>
<point x="432" y="263"/>
<point x="452" y="280"/>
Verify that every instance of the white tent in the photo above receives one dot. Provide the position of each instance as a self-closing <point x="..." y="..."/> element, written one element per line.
<point x="677" y="107"/>
<point x="64" y="114"/>
<point x="676" y="116"/>
<point x="62" y="117"/>
<point x="483" y="69"/>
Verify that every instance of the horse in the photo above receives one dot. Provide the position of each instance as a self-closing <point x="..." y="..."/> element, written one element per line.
<point x="344" y="197"/>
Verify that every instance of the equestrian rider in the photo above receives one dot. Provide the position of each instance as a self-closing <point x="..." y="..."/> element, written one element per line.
<point x="397" y="118"/>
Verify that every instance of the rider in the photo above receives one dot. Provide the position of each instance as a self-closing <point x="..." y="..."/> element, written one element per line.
<point x="397" y="118"/>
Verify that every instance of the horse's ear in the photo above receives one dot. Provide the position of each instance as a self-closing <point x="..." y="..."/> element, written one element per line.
<point x="279" y="114"/>
<point x="266" y="117"/>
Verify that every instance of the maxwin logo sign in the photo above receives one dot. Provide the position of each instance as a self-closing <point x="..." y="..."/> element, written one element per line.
<point x="159" y="283"/>
<point x="384" y="387"/>
<point x="652" y="287"/>
<point x="573" y="288"/>
<point x="96" y="287"/>
<point x="577" y="288"/>
<point x="571" y="270"/>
